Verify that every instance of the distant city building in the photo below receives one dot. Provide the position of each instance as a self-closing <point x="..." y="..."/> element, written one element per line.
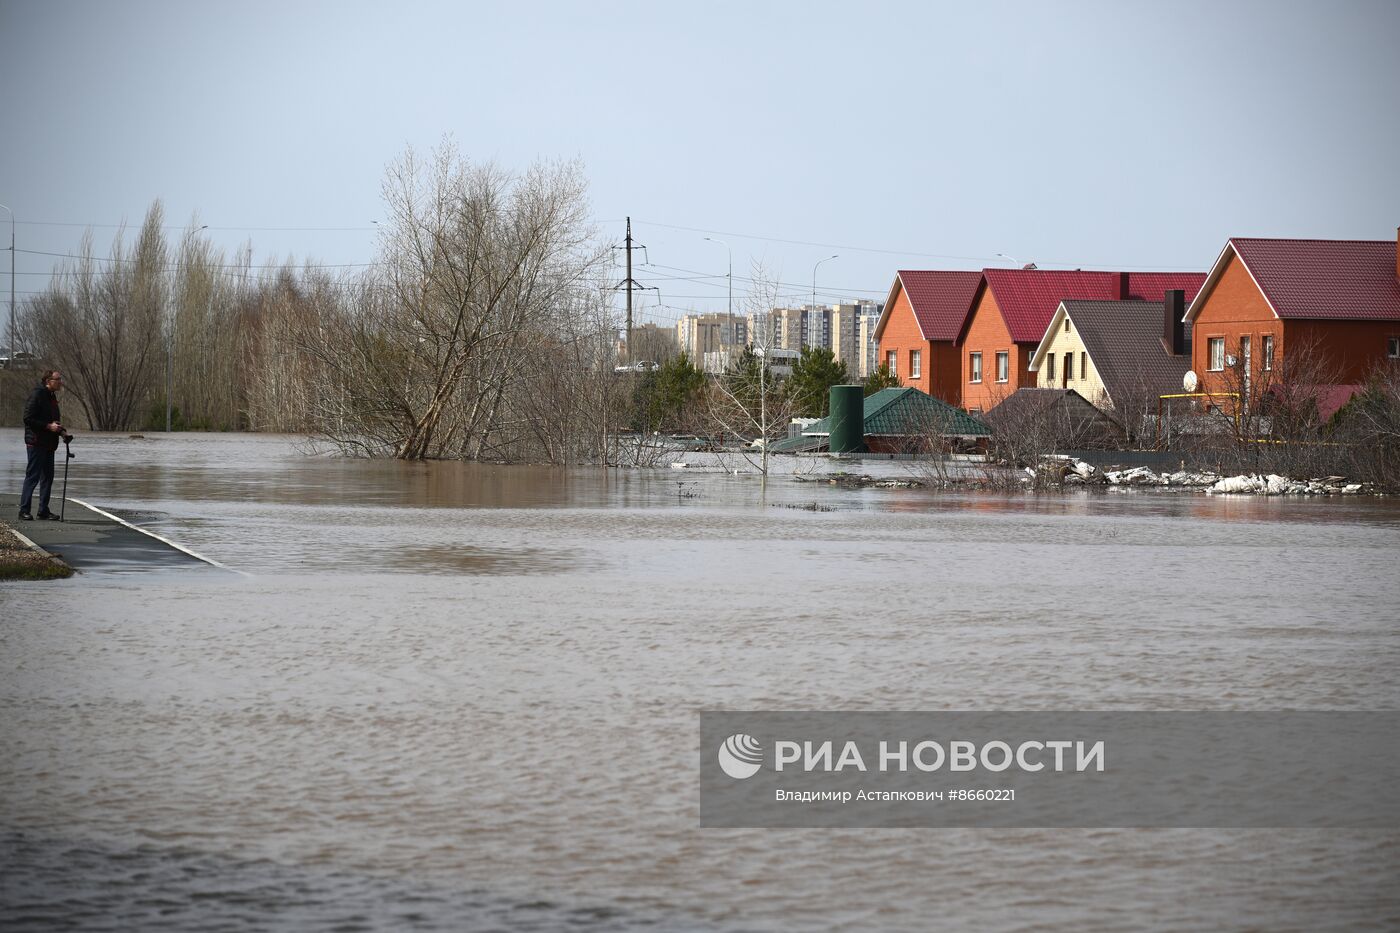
<point x="650" y="342"/>
<point x="816" y="326"/>
<point x="853" y="335"/>
<point x="781" y="328"/>
<point x="846" y="329"/>
<point x="706" y="338"/>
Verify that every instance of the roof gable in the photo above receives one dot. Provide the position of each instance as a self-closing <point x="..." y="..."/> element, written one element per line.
<point x="941" y="300"/>
<point x="1124" y="339"/>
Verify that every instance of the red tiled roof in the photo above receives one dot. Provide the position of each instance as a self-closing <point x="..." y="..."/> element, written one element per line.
<point x="1328" y="279"/>
<point x="1152" y="286"/>
<point x="941" y="300"/>
<point x="1028" y="297"/>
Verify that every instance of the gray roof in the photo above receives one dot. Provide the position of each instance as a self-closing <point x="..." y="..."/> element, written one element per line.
<point x="1124" y="339"/>
<point x="1065" y="410"/>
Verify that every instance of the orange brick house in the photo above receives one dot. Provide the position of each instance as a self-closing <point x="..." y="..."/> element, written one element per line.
<point x="918" y="330"/>
<point x="1335" y="300"/>
<point x="1013" y="307"/>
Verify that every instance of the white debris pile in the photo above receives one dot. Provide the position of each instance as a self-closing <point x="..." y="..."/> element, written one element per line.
<point x="1275" y="485"/>
<point x="1144" y="476"/>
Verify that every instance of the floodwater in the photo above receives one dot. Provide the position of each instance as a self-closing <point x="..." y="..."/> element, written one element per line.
<point x="451" y="696"/>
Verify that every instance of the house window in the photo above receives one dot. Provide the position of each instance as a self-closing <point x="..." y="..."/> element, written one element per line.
<point x="1083" y="365"/>
<point x="974" y="365"/>
<point x="1066" y="325"/>
<point x="1392" y="347"/>
<point x="1003" y="365"/>
<point x="1215" y="352"/>
<point x="1050" y="369"/>
<point x="1268" y="351"/>
<point x="916" y="364"/>
<point x="892" y="362"/>
<point x="1069" y="367"/>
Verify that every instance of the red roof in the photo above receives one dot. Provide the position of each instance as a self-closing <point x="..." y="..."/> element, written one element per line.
<point x="1152" y="286"/>
<point x="1028" y="297"/>
<point x="941" y="300"/>
<point x="1326" y="279"/>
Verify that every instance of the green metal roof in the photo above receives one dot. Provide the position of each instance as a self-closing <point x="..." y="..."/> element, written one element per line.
<point x="895" y="412"/>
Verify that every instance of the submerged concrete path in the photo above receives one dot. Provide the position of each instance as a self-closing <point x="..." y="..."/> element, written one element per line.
<point x="92" y="539"/>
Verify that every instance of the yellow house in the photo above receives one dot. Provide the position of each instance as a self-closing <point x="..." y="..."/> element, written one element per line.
<point x="1120" y="355"/>
<point x="1062" y="360"/>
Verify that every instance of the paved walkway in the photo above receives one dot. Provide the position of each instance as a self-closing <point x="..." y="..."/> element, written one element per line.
<point x="91" y="539"/>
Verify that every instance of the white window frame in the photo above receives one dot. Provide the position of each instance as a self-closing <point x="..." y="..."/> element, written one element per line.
<point x="974" y="367"/>
<point x="1003" y="366"/>
<point x="892" y="362"/>
<point x="1268" y="352"/>
<point x="1050" y="369"/>
<point x="916" y="361"/>
<point x="1214" y="344"/>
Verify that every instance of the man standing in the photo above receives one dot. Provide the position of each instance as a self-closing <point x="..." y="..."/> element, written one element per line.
<point x="42" y="429"/>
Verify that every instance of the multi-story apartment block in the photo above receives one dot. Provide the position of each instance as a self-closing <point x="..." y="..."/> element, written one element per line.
<point x="705" y="337"/>
<point x="853" y="336"/>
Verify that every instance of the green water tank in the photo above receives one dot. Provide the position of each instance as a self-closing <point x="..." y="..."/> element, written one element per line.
<point x="847" y="419"/>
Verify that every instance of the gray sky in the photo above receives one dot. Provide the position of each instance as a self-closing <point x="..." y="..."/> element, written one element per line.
<point x="905" y="135"/>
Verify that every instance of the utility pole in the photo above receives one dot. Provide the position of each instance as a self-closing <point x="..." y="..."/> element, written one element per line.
<point x="629" y="283"/>
<point x="14" y="356"/>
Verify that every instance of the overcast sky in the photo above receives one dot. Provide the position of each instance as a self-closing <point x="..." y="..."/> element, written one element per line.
<point x="897" y="135"/>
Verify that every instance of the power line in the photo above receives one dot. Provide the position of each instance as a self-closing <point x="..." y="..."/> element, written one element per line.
<point x="60" y="223"/>
<point x="308" y="265"/>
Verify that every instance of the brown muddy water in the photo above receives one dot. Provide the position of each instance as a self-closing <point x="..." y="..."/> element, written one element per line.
<point x="467" y="697"/>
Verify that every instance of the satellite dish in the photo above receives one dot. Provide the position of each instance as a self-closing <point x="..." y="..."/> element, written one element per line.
<point x="1190" y="381"/>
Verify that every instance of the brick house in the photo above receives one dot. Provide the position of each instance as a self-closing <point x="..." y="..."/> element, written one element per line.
<point x="1337" y="301"/>
<point x="918" y="330"/>
<point x="1012" y="309"/>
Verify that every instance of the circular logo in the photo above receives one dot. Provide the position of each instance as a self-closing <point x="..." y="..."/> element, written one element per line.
<point x="741" y="756"/>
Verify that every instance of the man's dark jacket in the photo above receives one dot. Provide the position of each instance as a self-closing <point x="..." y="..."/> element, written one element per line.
<point x="39" y="412"/>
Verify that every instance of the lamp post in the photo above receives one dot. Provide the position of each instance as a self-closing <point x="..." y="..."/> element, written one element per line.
<point x="814" y="276"/>
<point x="814" y="286"/>
<point x="170" y="360"/>
<point x="11" y="361"/>
<point x="730" y="277"/>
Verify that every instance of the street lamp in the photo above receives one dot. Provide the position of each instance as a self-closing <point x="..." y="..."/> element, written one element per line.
<point x="13" y="352"/>
<point x="814" y="276"/>
<point x="170" y="361"/>
<point x="730" y="277"/>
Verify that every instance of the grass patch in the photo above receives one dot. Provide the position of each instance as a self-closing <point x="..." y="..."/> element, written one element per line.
<point x="33" y="568"/>
<point x="18" y="561"/>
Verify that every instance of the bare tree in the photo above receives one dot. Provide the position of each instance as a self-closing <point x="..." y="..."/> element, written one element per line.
<point x="475" y="266"/>
<point x="105" y="326"/>
<point x="745" y="401"/>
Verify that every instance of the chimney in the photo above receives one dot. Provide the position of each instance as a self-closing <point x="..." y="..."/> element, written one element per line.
<point x="1122" y="286"/>
<point x="1397" y="253"/>
<point x="1173" y="328"/>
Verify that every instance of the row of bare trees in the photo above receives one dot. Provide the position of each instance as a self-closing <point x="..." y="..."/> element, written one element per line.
<point x="484" y="330"/>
